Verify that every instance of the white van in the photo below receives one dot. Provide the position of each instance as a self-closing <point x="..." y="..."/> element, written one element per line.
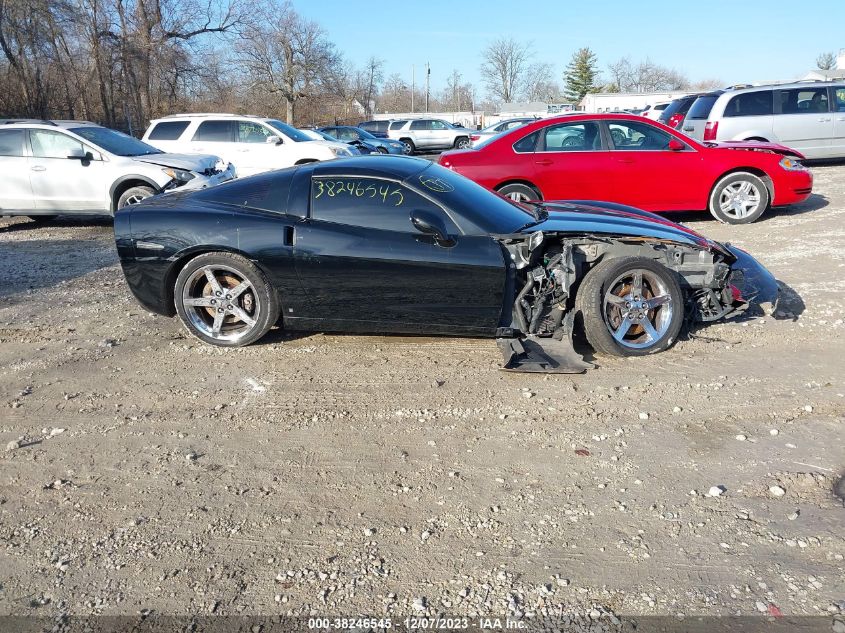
<point x="252" y="144"/>
<point x="806" y="116"/>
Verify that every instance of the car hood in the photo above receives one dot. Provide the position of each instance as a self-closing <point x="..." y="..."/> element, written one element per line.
<point x="605" y="218"/>
<point x="331" y="144"/>
<point x="189" y="162"/>
<point x="755" y="146"/>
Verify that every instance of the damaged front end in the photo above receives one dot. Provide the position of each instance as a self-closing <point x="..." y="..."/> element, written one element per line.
<point x="547" y="268"/>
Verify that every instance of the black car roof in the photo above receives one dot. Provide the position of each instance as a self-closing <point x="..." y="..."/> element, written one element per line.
<point x="390" y="166"/>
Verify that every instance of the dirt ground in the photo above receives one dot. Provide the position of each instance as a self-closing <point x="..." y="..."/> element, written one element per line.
<point x="343" y="475"/>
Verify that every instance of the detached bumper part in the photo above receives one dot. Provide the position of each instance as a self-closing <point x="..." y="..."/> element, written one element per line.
<point x="536" y="355"/>
<point x="755" y="284"/>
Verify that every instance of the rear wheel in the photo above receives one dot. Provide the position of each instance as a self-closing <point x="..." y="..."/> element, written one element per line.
<point x="631" y="306"/>
<point x="223" y="299"/>
<point x="519" y="192"/>
<point x="739" y="198"/>
<point x="462" y="142"/>
<point x="410" y="148"/>
<point x="134" y="195"/>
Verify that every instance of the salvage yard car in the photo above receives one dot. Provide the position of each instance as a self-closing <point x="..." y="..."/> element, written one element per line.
<point x="398" y="244"/>
<point x="253" y="144"/>
<point x="77" y="167"/>
<point x="630" y="160"/>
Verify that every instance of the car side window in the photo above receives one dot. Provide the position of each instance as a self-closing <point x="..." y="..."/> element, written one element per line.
<point x="438" y="125"/>
<point x="581" y="136"/>
<point x="396" y="125"/>
<point x="634" y="136"/>
<point x="250" y="132"/>
<point x="371" y="203"/>
<point x="11" y="142"/>
<point x="804" y="101"/>
<point x="526" y="144"/>
<point x="215" y="132"/>
<point x="49" y="144"/>
<point x="840" y="99"/>
<point x="419" y="125"/>
<point x="167" y="130"/>
<point x="750" y="104"/>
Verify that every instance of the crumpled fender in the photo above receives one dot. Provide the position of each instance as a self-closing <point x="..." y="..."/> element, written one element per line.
<point x="752" y="282"/>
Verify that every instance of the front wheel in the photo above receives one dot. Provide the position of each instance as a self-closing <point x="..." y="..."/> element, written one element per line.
<point x="739" y="198"/>
<point x="519" y="192"/>
<point x="631" y="306"/>
<point x="381" y="149"/>
<point x="134" y="195"/>
<point x="223" y="299"/>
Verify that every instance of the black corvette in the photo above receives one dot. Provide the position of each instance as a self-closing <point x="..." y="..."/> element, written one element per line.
<point x="400" y="245"/>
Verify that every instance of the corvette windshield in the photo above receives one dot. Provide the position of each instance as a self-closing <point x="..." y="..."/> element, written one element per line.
<point x="115" y="142"/>
<point x="490" y="212"/>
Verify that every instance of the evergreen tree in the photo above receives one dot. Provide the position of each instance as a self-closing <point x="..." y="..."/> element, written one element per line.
<point x="580" y="75"/>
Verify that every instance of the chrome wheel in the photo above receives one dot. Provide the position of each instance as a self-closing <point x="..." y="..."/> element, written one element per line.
<point x="637" y="309"/>
<point x="135" y="199"/>
<point x="221" y="303"/>
<point x="462" y="144"/>
<point x="740" y="199"/>
<point x="407" y="148"/>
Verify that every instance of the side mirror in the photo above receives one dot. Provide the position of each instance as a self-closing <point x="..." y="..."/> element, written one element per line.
<point x="78" y="154"/>
<point x="274" y="140"/>
<point x="431" y="224"/>
<point x="676" y="146"/>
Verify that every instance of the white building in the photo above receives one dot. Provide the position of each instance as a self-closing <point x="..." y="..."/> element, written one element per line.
<point x="617" y="101"/>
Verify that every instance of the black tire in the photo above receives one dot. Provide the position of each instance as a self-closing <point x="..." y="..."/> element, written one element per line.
<point x="134" y="195"/>
<point x="381" y="150"/>
<point x="41" y="219"/>
<point x="410" y="148"/>
<point x="519" y="192"/>
<point x="462" y="142"/>
<point x="257" y="302"/>
<point x="741" y="189"/>
<point x="625" y="315"/>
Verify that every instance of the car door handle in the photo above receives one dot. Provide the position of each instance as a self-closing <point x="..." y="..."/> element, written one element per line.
<point x="545" y="162"/>
<point x="38" y="168"/>
<point x="689" y="129"/>
<point x="626" y="160"/>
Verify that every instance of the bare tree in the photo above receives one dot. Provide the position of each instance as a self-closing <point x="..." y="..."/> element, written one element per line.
<point x="540" y="85"/>
<point x="826" y="61"/>
<point x="286" y="55"/>
<point x="374" y="75"/>
<point x="504" y="66"/>
<point x="645" y="76"/>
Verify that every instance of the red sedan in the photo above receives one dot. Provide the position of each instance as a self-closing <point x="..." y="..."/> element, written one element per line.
<point x="629" y="160"/>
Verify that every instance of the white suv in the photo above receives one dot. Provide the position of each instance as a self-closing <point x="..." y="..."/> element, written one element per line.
<point x="252" y="144"/>
<point x="53" y="167"/>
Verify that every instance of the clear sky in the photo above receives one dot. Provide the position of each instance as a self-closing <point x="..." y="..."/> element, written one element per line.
<point x="732" y="40"/>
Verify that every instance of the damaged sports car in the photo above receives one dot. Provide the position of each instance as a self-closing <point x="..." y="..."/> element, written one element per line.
<point x="400" y="245"/>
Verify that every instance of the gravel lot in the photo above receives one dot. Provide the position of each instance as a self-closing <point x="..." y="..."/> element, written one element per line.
<point x="339" y="474"/>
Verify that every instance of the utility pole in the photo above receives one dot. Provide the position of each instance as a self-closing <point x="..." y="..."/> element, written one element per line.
<point x="427" y="77"/>
<point x="413" y="86"/>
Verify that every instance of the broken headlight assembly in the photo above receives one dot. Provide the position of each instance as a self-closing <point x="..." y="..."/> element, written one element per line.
<point x="180" y="175"/>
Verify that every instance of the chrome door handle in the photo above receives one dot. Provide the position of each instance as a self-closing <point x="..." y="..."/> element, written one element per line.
<point x="545" y="162"/>
<point x="38" y="168"/>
